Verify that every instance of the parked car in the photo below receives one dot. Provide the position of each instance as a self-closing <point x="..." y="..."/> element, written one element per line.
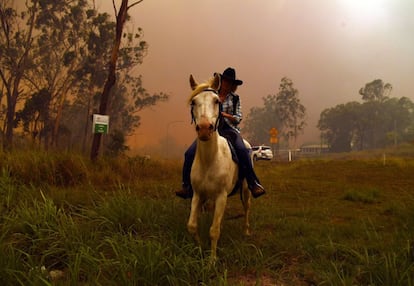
<point x="262" y="153"/>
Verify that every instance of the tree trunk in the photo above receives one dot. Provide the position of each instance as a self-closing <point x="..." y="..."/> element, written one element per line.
<point x="110" y="82"/>
<point x="87" y="119"/>
<point x="12" y="96"/>
<point x="8" y="140"/>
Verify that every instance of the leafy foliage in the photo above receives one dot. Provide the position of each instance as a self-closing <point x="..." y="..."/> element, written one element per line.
<point x="34" y="114"/>
<point x="282" y="111"/>
<point x="64" y="47"/>
<point x="375" y="91"/>
<point x="292" y="112"/>
<point x="16" y="37"/>
<point x="377" y="122"/>
<point x="261" y="119"/>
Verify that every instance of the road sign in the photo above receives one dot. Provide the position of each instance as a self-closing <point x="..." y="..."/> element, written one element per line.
<point x="100" y="123"/>
<point x="273" y="132"/>
<point x="273" y="135"/>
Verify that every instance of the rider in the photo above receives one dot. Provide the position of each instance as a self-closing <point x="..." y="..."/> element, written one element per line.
<point x="231" y="116"/>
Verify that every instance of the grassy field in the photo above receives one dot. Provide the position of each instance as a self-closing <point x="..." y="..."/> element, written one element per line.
<point x="346" y="219"/>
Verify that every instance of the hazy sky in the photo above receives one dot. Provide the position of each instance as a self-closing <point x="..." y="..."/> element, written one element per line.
<point x="329" y="48"/>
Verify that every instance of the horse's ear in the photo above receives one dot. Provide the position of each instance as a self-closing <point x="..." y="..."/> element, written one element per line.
<point x="215" y="84"/>
<point x="193" y="83"/>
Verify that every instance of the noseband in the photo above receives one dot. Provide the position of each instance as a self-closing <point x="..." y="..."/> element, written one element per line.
<point x="219" y="113"/>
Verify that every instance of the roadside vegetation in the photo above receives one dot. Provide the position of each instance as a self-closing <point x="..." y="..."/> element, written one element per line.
<point x="346" y="219"/>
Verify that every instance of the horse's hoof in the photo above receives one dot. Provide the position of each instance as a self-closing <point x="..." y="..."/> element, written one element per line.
<point x="212" y="261"/>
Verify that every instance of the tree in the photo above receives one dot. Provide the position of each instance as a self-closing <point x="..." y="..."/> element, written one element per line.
<point x="57" y="50"/>
<point x="16" y="42"/>
<point x="375" y="91"/>
<point x="116" y="146"/>
<point x="130" y="100"/>
<point x="282" y="111"/>
<point x="261" y="119"/>
<point x="374" y="94"/>
<point x="123" y="107"/>
<point x="338" y="126"/>
<point x="48" y="48"/>
<point x="120" y="21"/>
<point x="292" y="113"/>
<point x="82" y="41"/>
<point x="378" y="122"/>
<point x="397" y="115"/>
<point x="34" y="114"/>
<point x="70" y="47"/>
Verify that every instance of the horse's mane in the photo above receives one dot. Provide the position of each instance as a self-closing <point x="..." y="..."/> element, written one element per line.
<point x="200" y="87"/>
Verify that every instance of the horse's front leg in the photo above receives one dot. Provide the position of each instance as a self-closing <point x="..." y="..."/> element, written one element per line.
<point x="246" y="200"/>
<point x="216" y="225"/>
<point x="192" y="225"/>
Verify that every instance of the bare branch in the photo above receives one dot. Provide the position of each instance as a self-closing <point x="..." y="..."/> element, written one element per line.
<point x="113" y="4"/>
<point x="136" y="3"/>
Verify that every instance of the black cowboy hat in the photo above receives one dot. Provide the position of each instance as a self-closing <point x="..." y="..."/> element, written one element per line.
<point x="230" y="74"/>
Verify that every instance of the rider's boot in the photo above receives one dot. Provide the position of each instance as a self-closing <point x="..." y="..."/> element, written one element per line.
<point x="253" y="183"/>
<point x="186" y="190"/>
<point x="256" y="189"/>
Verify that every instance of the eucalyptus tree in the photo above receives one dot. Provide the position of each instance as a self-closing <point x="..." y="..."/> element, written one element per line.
<point x="62" y="28"/>
<point x="377" y="122"/>
<point x="338" y="125"/>
<point x="67" y="49"/>
<point x="16" y="44"/>
<point x="375" y="94"/>
<point x="123" y="95"/>
<point x="34" y="114"/>
<point x="93" y="71"/>
<point x="127" y="97"/>
<point x="260" y="120"/>
<point x="292" y="113"/>
<point x="397" y="121"/>
<point x="376" y="90"/>
<point x="282" y="111"/>
<point x="121" y="17"/>
<point x="39" y="52"/>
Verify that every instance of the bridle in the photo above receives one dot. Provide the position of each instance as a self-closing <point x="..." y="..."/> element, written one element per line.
<point x="219" y="113"/>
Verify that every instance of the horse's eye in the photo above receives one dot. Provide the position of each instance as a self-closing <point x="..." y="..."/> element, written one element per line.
<point x="192" y="102"/>
<point x="217" y="101"/>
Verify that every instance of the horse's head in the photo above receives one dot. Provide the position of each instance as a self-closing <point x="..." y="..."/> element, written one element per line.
<point x="205" y="107"/>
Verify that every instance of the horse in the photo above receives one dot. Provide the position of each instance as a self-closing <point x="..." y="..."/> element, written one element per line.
<point x="214" y="173"/>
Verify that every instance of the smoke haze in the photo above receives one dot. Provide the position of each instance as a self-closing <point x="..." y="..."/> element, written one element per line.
<point x="328" y="48"/>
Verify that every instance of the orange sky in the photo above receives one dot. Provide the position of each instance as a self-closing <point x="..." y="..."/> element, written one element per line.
<point x="329" y="48"/>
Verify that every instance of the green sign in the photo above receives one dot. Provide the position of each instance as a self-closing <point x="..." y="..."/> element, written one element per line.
<point x="100" y="123"/>
<point x="101" y="128"/>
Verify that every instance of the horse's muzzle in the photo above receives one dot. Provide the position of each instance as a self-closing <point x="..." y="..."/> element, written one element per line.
<point x="204" y="130"/>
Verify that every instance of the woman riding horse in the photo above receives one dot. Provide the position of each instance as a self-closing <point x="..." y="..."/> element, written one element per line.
<point x="228" y="127"/>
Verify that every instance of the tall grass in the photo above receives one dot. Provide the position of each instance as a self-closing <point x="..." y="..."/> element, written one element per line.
<point x="333" y="221"/>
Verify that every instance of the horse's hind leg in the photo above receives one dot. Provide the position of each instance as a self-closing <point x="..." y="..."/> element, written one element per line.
<point x="216" y="225"/>
<point x="192" y="225"/>
<point x="246" y="201"/>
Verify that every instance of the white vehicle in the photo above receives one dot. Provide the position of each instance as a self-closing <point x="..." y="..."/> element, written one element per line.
<point x="262" y="153"/>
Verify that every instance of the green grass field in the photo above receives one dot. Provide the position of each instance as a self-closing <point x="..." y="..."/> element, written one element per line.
<point x="346" y="219"/>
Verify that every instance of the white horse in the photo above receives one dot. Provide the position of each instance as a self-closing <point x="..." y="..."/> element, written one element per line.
<point x="214" y="173"/>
